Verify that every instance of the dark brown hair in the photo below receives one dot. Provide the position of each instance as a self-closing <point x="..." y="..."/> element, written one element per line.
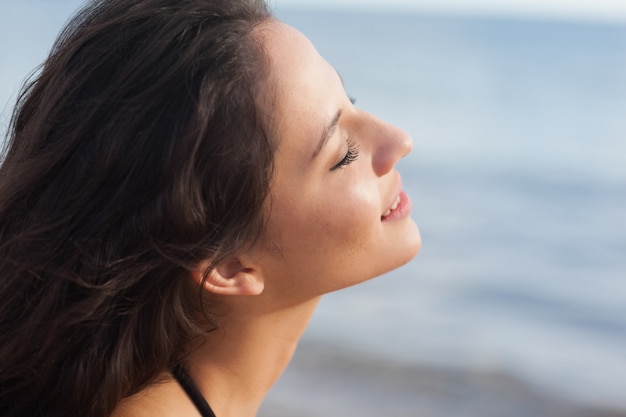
<point x="136" y="154"/>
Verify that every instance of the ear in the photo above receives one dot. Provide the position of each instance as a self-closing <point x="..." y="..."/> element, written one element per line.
<point x="230" y="277"/>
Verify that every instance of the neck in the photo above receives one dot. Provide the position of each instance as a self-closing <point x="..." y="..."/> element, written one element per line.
<point x="238" y="364"/>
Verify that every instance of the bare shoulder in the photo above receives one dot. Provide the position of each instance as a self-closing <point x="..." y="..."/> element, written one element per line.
<point x="162" y="399"/>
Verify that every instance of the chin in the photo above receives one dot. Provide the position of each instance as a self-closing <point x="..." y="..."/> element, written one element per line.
<point x="414" y="245"/>
<point x="407" y="251"/>
<point x="410" y="247"/>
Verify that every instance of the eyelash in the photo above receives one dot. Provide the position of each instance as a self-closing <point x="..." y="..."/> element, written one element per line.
<point x="351" y="155"/>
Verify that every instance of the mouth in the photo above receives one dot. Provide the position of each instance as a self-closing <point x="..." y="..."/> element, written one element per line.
<point x="392" y="208"/>
<point x="400" y="208"/>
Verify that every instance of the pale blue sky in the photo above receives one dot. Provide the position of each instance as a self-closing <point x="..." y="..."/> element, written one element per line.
<point x="28" y="27"/>
<point x="568" y="9"/>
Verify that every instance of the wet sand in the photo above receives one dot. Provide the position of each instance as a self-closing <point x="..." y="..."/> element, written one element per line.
<point x="327" y="382"/>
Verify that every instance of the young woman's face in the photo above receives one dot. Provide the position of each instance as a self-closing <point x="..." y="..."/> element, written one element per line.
<point x="338" y="215"/>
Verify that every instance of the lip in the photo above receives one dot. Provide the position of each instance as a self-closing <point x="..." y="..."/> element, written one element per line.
<point x="404" y="206"/>
<point x="403" y="209"/>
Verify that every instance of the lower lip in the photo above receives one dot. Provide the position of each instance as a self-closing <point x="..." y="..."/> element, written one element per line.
<point x="403" y="209"/>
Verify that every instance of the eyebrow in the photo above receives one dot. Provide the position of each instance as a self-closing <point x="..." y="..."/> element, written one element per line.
<point x="327" y="133"/>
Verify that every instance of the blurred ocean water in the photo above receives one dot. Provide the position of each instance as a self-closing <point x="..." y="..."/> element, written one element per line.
<point x="518" y="182"/>
<point x="518" y="179"/>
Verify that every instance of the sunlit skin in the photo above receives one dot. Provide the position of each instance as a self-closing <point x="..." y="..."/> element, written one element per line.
<point x="329" y="226"/>
<point x="326" y="224"/>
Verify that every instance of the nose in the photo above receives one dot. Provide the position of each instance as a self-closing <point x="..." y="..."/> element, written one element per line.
<point x="388" y="144"/>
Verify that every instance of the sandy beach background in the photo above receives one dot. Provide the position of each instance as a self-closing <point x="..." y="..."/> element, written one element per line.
<point x="332" y="382"/>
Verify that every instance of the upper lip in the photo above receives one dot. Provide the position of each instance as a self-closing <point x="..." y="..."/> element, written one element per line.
<point x="396" y="192"/>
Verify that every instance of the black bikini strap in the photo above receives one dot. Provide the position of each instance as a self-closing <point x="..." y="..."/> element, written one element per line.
<point x="192" y="391"/>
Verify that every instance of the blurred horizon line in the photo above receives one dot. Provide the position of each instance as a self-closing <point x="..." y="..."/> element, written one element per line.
<point x="573" y="15"/>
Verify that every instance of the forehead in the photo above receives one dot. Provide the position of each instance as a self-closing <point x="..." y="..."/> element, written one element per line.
<point x="289" y="52"/>
<point x="298" y="76"/>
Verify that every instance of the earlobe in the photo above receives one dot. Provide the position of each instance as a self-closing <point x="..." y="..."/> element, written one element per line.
<point x="229" y="278"/>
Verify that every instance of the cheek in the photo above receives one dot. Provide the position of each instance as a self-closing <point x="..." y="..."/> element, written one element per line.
<point x="351" y="216"/>
<point x="325" y="225"/>
<point x="325" y="240"/>
<point x="333" y="227"/>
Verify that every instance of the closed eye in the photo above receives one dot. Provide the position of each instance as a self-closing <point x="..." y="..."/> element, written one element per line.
<point x="351" y="155"/>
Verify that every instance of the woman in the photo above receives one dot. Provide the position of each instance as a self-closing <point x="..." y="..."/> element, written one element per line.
<point x="184" y="180"/>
